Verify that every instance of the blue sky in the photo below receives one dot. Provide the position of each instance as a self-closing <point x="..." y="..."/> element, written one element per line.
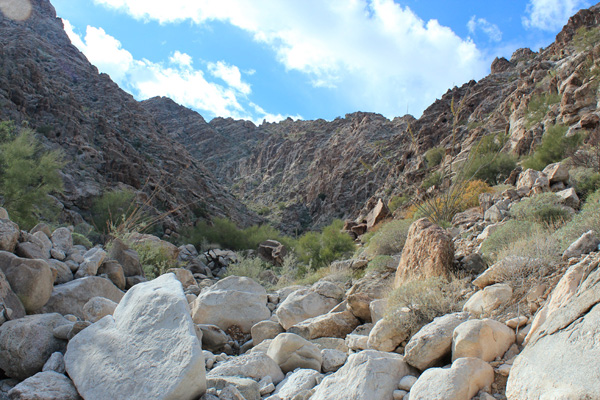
<point x="273" y="59"/>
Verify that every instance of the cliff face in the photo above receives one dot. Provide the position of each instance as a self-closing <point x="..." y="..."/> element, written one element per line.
<point x="304" y="173"/>
<point x="108" y="138"/>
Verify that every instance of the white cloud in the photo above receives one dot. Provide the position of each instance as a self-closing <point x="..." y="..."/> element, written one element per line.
<point x="378" y="55"/>
<point x="551" y="15"/>
<point x="177" y="78"/>
<point x="230" y="74"/>
<point x="491" y="30"/>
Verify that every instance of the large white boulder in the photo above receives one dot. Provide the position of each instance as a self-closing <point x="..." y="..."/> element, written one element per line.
<point x="48" y="385"/>
<point x="309" y="302"/>
<point x="433" y="342"/>
<point x="462" y="381"/>
<point x="254" y="365"/>
<point x="369" y="374"/>
<point x="301" y="380"/>
<point x="481" y="338"/>
<point x="232" y="301"/>
<point x="291" y="351"/>
<point x="31" y="280"/>
<point x="147" y="350"/>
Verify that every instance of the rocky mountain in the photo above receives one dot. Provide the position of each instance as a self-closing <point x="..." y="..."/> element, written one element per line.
<point x="302" y="174"/>
<point x="107" y="137"/>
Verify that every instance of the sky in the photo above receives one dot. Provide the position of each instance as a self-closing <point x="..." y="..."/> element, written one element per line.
<point x="267" y="60"/>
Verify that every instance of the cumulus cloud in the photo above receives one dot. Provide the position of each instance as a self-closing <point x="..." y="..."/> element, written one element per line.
<point x="378" y="55"/>
<point x="551" y="15"/>
<point x="491" y="30"/>
<point x="177" y="78"/>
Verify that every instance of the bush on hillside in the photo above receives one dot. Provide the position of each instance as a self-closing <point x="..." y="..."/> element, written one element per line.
<point x="538" y="107"/>
<point x="587" y="219"/>
<point x="470" y="197"/>
<point x="155" y="260"/>
<point x="507" y="234"/>
<point x="397" y="202"/>
<point x="112" y="208"/>
<point x="544" y="208"/>
<point x="434" y="156"/>
<point x="487" y="163"/>
<point x="28" y="174"/>
<point x="585" y="181"/>
<point x="250" y="267"/>
<point x="389" y="238"/>
<point x="554" y="147"/>
<point x="318" y="250"/>
<point x="434" y="179"/>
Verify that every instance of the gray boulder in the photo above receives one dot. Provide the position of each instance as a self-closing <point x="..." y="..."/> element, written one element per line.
<point x="48" y="385"/>
<point x="31" y="280"/>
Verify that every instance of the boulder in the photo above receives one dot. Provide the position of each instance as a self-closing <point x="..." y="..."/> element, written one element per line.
<point x="92" y="260"/>
<point x="291" y="351"/>
<point x="433" y="342"/>
<point x="232" y="301"/>
<point x="10" y="299"/>
<point x="299" y="381"/>
<point x="184" y="276"/>
<point x="332" y="324"/>
<point x="506" y="267"/>
<point x="151" y="326"/>
<point x="247" y="387"/>
<point x="428" y="252"/>
<point x="97" y="308"/>
<point x="63" y="272"/>
<point x="169" y="249"/>
<point x="126" y="257"/>
<point x="32" y="250"/>
<point x="265" y="330"/>
<point x="462" y="381"/>
<point x="528" y="178"/>
<point x="272" y="251"/>
<point x="31" y="280"/>
<point x="48" y="385"/>
<point x="213" y="337"/>
<point x="114" y="272"/>
<point x="569" y="198"/>
<point x="27" y="343"/>
<point x="560" y="360"/>
<point x="55" y="363"/>
<point x="366" y="375"/>
<point x="488" y="300"/>
<point x="587" y="243"/>
<point x="307" y="303"/>
<point x="254" y="365"/>
<point x="388" y="334"/>
<point x="70" y="297"/>
<point x="557" y="172"/>
<point x="62" y="239"/>
<point x="377" y="309"/>
<point x="332" y="360"/>
<point x="377" y="214"/>
<point x="9" y="234"/>
<point x="481" y="338"/>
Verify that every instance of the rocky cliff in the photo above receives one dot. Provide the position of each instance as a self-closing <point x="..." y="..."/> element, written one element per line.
<point x="107" y="137"/>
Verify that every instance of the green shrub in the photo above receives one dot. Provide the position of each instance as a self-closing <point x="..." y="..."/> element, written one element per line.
<point x="585" y="181"/>
<point x="538" y="107"/>
<point x="397" y="202"/>
<point x="226" y="234"/>
<point x="544" y="208"/>
<point x="434" y="179"/>
<point x="318" y="250"/>
<point x="381" y="263"/>
<point x="389" y="238"/>
<point x="587" y="219"/>
<point x="540" y="245"/>
<point x="586" y="38"/>
<point x="155" y="259"/>
<point x="28" y="175"/>
<point x="507" y="234"/>
<point x="425" y="300"/>
<point x="434" y="156"/>
<point x="250" y="267"/>
<point x="554" y="147"/>
<point x="78" y="238"/>
<point x="112" y="207"/>
<point x="487" y="163"/>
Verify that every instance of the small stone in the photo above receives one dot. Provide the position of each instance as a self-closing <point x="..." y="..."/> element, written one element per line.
<point x="517" y="322"/>
<point x="407" y="382"/>
<point x="399" y="394"/>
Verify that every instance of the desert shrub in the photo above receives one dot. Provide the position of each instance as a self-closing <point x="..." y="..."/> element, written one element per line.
<point x="434" y="156"/>
<point x="78" y="238"/>
<point x="112" y="207"/>
<point x="585" y="181"/>
<point x="155" y="259"/>
<point x="389" y="238"/>
<point x="586" y="38"/>
<point x="397" y="202"/>
<point x="250" y="267"/>
<point x="507" y="234"/>
<point x="540" y="245"/>
<point x="587" y="219"/>
<point x="318" y="250"/>
<point x="554" y="147"/>
<point x="425" y="300"/>
<point x="226" y="234"/>
<point x="380" y="263"/>
<point x="28" y="174"/>
<point x="538" y="108"/>
<point x="487" y="163"/>
<point x="470" y="197"/>
<point x="434" y="179"/>
<point x="544" y="208"/>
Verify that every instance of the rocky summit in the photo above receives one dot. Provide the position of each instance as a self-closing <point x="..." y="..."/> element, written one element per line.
<point x="467" y="265"/>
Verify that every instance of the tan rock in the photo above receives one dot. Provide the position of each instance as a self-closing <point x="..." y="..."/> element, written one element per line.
<point x="428" y="252"/>
<point x="308" y="302"/>
<point x="97" y="308"/>
<point x="486" y="301"/>
<point x="387" y="335"/>
<point x="377" y="214"/>
<point x="557" y="172"/>
<point x="184" y="276"/>
<point x="9" y="234"/>
<point x="31" y="280"/>
<point x="265" y="330"/>
<point x="291" y="351"/>
<point x="485" y="339"/>
<point x="462" y="381"/>
<point x="332" y="324"/>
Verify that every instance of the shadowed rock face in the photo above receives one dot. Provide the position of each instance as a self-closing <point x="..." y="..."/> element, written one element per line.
<point x="107" y="137"/>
